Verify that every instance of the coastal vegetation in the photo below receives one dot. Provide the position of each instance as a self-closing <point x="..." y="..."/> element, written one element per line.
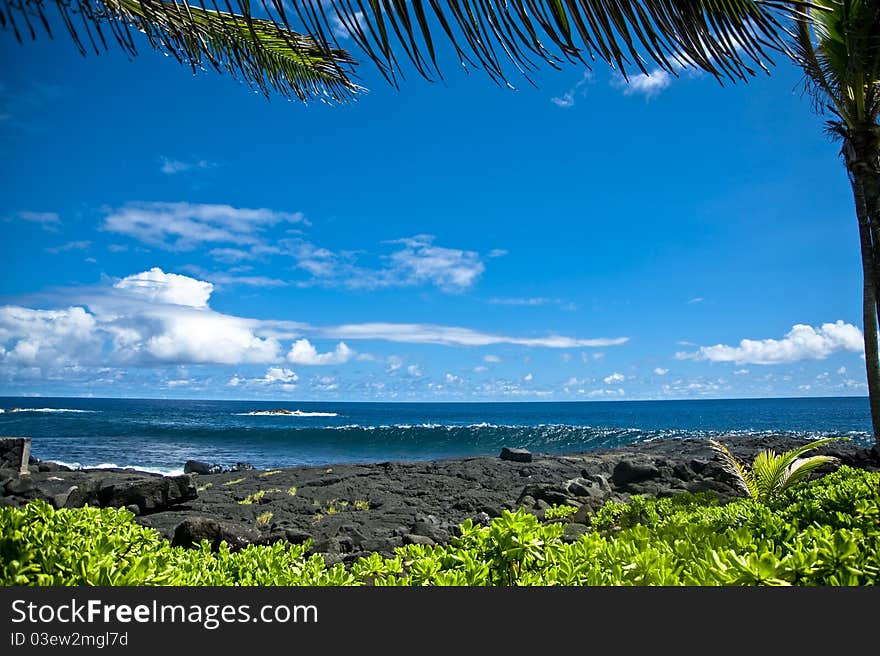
<point x="770" y="473"/>
<point x="822" y="532"/>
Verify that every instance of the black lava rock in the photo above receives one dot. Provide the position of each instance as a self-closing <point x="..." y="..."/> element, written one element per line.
<point x="515" y="455"/>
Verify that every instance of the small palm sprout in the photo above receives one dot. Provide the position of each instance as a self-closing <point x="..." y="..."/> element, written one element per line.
<point x="770" y="474"/>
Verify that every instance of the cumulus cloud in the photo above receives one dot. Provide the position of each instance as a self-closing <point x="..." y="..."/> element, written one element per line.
<point x="157" y="286"/>
<point x="184" y="226"/>
<point x="286" y="378"/>
<point x="157" y="317"/>
<point x="616" y="377"/>
<point x="303" y="352"/>
<point x="802" y="342"/>
<point x="649" y="86"/>
<point x="456" y="336"/>
<point x="660" y="371"/>
<point x="414" y="371"/>
<point x="528" y="378"/>
<point x="43" y="338"/>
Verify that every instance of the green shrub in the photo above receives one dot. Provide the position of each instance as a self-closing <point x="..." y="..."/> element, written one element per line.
<point x="825" y="532"/>
<point x="559" y="512"/>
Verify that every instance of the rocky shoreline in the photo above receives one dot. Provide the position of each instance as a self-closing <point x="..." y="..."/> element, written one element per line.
<point x="349" y="510"/>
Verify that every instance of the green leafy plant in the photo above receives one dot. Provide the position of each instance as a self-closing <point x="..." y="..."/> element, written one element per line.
<point x="559" y="512"/>
<point x="823" y="532"/>
<point x="770" y="473"/>
<point x="361" y="504"/>
<point x="291" y="491"/>
<point x="263" y="519"/>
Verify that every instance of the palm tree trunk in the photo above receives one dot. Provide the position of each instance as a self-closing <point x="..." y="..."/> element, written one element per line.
<point x="862" y="152"/>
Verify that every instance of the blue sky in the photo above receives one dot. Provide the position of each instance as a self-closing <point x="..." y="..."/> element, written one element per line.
<point x="166" y="235"/>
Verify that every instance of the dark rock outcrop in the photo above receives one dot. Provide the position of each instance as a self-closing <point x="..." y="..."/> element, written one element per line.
<point x="515" y="455"/>
<point x="190" y="532"/>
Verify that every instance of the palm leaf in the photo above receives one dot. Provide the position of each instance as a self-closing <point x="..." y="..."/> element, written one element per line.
<point x="263" y="53"/>
<point x="768" y="471"/>
<point x="730" y="39"/>
<point x="730" y="465"/>
<point x="800" y="469"/>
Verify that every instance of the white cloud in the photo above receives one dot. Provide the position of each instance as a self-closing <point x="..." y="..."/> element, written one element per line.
<point x="480" y="369"/>
<point x="173" y="166"/>
<point x="496" y="252"/>
<point x="45" y="338"/>
<point x="303" y="352"/>
<point x="69" y="246"/>
<point x="159" y="287"/>
<point x="279" y="375"/>
<point x="534" y="301"/>
<point x="528" y="378"/>
<point x="183" y="226"/>
<point x="414" y="371"/>
<point x="741" y="372"/>
<point x="605" y="393"/>
<point x="694" y="301"/>
<point x="569" y="98"/>
<point x="340" y="30"/>
<point x="649" y="86"/>
<point x="660" y="371"/>
<point x="456" y="336"/>
<point x="230" y="255"/>
<point x="154" y="317"/>
<point x="616" y="377"/>
<point x="449" y="269"/>
<point x="419" y="261"/>
<point x="286" y="378"/>
<point x="452" y="379"/>
<point x="47" y="220"/>
<point x="801" y="343"/>
<point x="841" y="371"/>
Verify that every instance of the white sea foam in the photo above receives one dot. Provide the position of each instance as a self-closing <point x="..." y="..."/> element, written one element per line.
<point x="48" y="410"/>
<point x="164" y="471"/>
<point x="294" y="413"/>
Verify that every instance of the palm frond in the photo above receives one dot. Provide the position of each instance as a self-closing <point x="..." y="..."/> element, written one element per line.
<point x="837" y="44"/>
<point x="771" y="473"/>
<point x="266" y="55"/>
<point x="731" y="39"/>
<point x="803" y="467"/>
<point x="768" y="472"/>
<point x="732" y="467"/>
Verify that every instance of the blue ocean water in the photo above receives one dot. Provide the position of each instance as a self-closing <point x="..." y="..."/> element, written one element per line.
<point x="161" y="435"/>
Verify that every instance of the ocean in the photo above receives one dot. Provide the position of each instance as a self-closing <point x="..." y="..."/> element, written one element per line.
<point x="160" y="435"/>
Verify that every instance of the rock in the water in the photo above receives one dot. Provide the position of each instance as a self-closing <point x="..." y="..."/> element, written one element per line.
<point x="190" y="532"/>
<point x="627" y="472"/>
<point x="203" y="468"/>
<point x="515" y="455"/>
